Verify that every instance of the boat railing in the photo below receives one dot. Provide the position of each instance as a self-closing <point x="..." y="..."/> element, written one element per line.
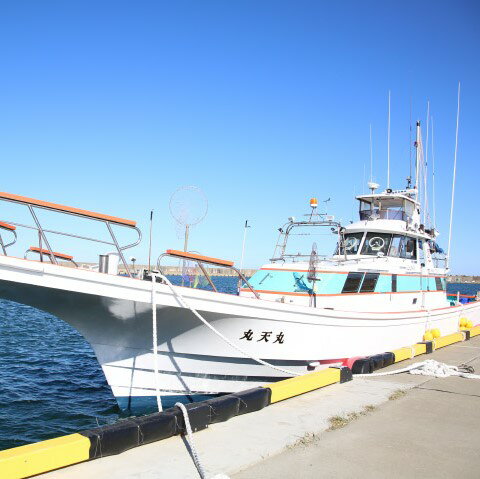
<point x="11" y="229"/>
<point x="33" y="204"/>
<point x="201" y="261"/>
<point x="440" y="262"/>
<point x="298" y="257"/>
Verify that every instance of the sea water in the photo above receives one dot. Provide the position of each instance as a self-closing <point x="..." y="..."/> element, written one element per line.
<point x="50" y="382"/>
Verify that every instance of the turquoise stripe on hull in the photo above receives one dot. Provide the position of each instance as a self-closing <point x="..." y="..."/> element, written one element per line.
<point x="332" y="283"/>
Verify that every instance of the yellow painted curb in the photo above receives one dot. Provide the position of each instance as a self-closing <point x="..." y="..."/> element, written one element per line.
<point x="407" y="353"/>
<point x="301" y="384"/>
<point x="25" y="461"/>
<point x="475" y="331"/>
<point x="447" y="340"/>
<point x="402" y="354"/>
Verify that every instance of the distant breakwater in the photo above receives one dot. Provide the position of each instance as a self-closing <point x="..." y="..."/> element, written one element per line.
<point x="177" y="270"/>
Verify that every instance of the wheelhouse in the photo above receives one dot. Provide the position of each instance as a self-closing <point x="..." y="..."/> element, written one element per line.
<point x="370" y="243"/>
<point x="387" y="206"/>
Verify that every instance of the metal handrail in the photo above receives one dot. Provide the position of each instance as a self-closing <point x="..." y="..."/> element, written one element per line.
<point x="106" y="220"/>
<point x="42" y="253"/>
<point x="200" y="263"/>
<point x="5" y="246"/>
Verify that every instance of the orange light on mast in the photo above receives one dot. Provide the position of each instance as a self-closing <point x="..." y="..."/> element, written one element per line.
<point x="313" y="202"/>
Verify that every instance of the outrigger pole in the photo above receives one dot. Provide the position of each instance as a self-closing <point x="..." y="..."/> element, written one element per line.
<point x="454" y="178"/>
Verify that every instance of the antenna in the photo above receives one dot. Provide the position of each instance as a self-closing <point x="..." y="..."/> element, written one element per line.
<point x="425" y="172"/>
<point x="433" y="182"/>
<point x="388" y="144"/>
<point x="326" y="205"/>
<point x="243" y="252"/>
<point x="454" y="178"/>
<point x="371" y="155"/>
<point x="150" y="242"/>
<point x="410" y="145"/>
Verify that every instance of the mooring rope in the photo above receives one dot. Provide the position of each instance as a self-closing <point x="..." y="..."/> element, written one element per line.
<point x="155" y="345"/>
<point x="429" y="367"/>
<point x="184" y="303"/>
<point x="191" y="444"/>
<point x="188" y="428"/>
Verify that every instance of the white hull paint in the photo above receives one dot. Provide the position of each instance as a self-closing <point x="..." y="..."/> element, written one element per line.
<point x="114" y="315"/>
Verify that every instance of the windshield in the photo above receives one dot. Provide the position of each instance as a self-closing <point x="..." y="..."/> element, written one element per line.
<point x="352" y="244"/>
<point x="376" y="243"/>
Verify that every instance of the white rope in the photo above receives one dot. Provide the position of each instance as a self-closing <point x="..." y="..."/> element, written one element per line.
<point x="188" y="427"/>
<point x="219" y="334"/>
<point x="196" y="459"/>
<point x="429" y="367"/>
<point x="155" y="346"/>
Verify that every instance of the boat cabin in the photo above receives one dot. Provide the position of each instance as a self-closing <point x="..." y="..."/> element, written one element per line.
<point x="398" y="205"/>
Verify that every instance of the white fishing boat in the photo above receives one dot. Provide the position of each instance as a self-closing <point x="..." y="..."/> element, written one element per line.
<point x="383" y="288"/>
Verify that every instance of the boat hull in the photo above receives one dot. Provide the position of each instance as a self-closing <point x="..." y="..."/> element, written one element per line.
<point x="114" y="315"/>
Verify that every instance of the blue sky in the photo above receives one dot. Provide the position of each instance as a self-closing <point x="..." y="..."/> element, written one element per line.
<point x="111" y="106"/>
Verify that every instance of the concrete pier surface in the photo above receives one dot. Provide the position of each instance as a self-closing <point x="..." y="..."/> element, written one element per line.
<point x="394" y="426"/>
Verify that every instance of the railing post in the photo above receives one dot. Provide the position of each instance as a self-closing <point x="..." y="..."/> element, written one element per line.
<point x="118" y="248"/>
<point x="205" y="272"/>
<point x="3" y="246"/>
<point x="42" y="235"/>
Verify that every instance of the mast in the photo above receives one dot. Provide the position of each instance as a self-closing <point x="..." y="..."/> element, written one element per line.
<point x="417" y="160"/>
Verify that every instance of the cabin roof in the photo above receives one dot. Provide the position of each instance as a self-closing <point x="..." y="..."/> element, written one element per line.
<point x="394" y="197"/>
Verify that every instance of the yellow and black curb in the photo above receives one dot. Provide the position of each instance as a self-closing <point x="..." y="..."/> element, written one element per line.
<point x="32" y="459"/>
<point x="25" y="461"/>
<point x="369" y="364"/>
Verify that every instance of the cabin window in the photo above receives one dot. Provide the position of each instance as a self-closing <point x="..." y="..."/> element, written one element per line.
<point x="439" y="283"/>
<point x="409" y="209"/>
<point x="394" y="283"/>
<point x="421" y="253"/>
<point x="369" y="283"/>
<point x="376" y="244"/>
<point x="352" y="243"/>
<point x="397" y="246"/>
<point x="352" y="283"/>
<point x="410" y="248"/>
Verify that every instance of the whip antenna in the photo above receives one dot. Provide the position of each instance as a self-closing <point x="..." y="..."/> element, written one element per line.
<point x="243" y="252"/>
<point x="425" y="172"/>
<point x="454" y="177"/>
<point x="433" y="182"/>
<point x="150" y="242"/>
<point x="388" y="143"/>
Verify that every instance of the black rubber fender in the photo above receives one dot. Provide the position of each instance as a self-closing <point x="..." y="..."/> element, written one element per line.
<point x="253" y="399"/>
<point x="223" y="408"/>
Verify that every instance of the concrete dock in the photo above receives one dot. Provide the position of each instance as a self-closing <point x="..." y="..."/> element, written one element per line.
<point x="396" y="426"/>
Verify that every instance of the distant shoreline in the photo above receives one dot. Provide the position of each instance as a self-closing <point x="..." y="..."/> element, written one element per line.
<point x="175" y="271"/>
<point x="464" y="279"/>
